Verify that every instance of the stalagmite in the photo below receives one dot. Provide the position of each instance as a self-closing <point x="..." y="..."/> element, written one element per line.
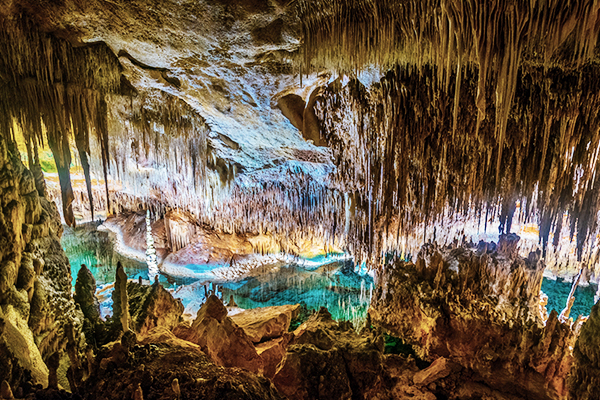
<point x="120" y="299"/>
<point x="564" y="315"/>
<point x="176" y="389"/>
<point x="150" y="250"/>
<point x="74" y="372"/>
<point x="53" y="365"/>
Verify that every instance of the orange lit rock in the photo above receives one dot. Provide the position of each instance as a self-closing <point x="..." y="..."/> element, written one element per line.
<point x="478" y="309"/>
<point x="440" y="368"/>
<point x="328" y="359"/>
<point x="585" y="374"/>
<point x="272" y="352"/>
<point x="220" y="338"/>
<point x="261" y="324"/>
<point x="152" y="306"/>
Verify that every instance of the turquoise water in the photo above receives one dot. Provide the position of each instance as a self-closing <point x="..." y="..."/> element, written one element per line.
<point x="86" y="245"/>
<point x="318" y="282"/>
<point x="335" y="285"/>
<point x="558" y="292"/>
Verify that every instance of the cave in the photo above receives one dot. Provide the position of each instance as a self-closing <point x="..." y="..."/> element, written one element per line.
<point x="299" y="199"/>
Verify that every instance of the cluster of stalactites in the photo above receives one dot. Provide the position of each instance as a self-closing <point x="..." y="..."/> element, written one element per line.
<point x="398" y="156"/>
<point x="449" y="36"/>
<point x="55" y="92"/>
<point x="350" y="35"/>
<point x="301" y="208"/>
<point x="158" y="147"/>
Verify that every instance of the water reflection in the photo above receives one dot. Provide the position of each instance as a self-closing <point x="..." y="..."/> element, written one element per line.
<point x="329" y="282"/>
<point x="334" y="285"/>
<point x="87" y="245"/>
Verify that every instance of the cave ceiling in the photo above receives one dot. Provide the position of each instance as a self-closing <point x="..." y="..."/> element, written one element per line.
<point x="360" y="121"/>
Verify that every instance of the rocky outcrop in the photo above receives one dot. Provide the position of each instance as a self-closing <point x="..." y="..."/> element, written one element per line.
<point x="272" y="352"/>
<point x="120" y="301"/>
<point x="160" y="361"/>
<point x="439" y="369"/>
<point x="585" y="374"/>
<point x="220" y="338"/>
<point x="152" y="306"/>
<point x="267" y="328"/>
<point x="266" y="323"/>
<point x="329" y="360"/>
<point x="479" y="308"/>
<point x="36" y="308"/>
<point x="85" y="291"/>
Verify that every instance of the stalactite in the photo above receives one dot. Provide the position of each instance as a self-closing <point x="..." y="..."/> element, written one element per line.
<point x="436" y="42"/>
<point x="62" y="158"/>
<point x="83" y="157"/>
<point x="54" y="89"/>
<point x="103" y="139"/>
<point x="394" y="147"/>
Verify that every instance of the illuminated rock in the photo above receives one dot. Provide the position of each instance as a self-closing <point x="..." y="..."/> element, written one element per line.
<point x="478" y="309"/>
<point x="152" y="306"/>
<point x="262" y="324"/>
<point x="328" y="359"/>
<point x="220" y="338"/>
<point x="585" y="373"/>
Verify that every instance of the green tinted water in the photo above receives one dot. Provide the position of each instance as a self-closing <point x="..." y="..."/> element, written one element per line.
<point x="558" y="292"/>
<point x="86" y="245"/>
<point x="334" y="285"/>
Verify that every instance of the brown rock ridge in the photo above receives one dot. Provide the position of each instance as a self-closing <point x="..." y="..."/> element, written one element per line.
<point x="261" y="324"/>
<point x="165" y="367"/>
<point x="329" y="360"/>
<point x="478" y="307"/>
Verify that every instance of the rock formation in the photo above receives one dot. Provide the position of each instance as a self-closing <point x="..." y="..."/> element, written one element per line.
<point x="478" y="308"/>
<point x="120" y="300"/>
<point x="327" y="359"/>
<point x="252" y="126"/>
<point x="152" y="306"/>
<point x="220" y="338"/>
<point x="262" y="324"/>
<point x="85" y="291"/>
<point x="164" y="359"/>
<point x="584" y="380"/>
<point x="35" y="284"/>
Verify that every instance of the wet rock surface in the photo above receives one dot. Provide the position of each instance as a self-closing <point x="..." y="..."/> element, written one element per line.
<point x="478" y="308"/>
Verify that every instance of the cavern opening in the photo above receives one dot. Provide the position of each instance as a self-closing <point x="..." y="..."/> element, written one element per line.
<point x="299" y="199"/>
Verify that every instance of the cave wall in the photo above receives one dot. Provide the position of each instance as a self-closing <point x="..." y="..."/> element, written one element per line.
<point x="36" y="308"/>
<point x="585" y="373"/>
